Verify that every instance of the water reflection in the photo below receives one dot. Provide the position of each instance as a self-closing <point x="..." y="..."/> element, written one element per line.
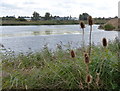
<point x="36" y="33"/>
<point x="47" y="32"/>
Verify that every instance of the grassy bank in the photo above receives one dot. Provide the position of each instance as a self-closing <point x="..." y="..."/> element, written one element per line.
<point x="111" y="25"/>
<point x="47" y="22"/>
<point x="58" y="70"/>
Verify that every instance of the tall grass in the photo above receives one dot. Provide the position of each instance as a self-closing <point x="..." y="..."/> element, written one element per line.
<point x="58" y="70"/>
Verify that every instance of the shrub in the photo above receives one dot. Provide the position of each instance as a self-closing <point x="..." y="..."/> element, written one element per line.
<point x="109" y="27"/>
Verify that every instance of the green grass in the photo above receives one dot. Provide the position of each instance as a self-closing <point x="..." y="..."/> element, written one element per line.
<point x="42" y="22"/>
<point x="47" y="22"/>
<point x="57" y="70"/>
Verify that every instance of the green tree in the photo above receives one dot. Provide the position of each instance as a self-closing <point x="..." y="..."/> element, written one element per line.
<point x="47" y="16"/>
<point x="83" y="16"/>
<point x="36" y="16"/>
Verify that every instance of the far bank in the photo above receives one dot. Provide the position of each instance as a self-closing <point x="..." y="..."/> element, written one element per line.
<point x="47" y="22"/>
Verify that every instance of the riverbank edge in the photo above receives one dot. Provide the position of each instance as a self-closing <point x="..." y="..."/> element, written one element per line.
<point x="17" y="23"/>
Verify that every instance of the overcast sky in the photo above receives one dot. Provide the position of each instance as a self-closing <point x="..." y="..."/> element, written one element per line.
<point x="96" y="8"/>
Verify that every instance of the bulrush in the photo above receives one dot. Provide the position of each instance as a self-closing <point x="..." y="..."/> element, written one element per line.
<point x="88" y="79"/>
<point x="104" y="42"/>
<point x="72" y="54"/>
<point x="87" y="60"/>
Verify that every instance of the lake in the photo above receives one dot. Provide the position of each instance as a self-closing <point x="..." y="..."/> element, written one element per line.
<point x="24" y="38"/>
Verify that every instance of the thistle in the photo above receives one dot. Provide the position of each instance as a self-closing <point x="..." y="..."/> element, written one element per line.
<point x="82" y="26"/>
<point x="72" y="54"/>
<point x="86" y="58"/>
<point x="90" y="22"/>
<point x="104" y="42"/>
<point x="88" y="79"/>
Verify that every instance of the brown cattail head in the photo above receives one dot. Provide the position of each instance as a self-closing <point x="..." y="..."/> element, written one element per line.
<point x="88" y="78"/>
<point x="82" y="24"/>
<point x="104" y="42"/>
<point x="72" y="54"/>
<point x="87" y="60"/>
<point x="90" y="20"/>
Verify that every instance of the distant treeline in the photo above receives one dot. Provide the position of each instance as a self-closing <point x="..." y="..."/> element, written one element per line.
<point x="36" y="17"/>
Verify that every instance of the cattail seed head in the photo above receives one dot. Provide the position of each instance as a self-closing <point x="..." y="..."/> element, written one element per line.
<point x="104" y="42"/>
<point x="82" y="24"/>
<point x="90" y="20"/>
<point x="87" y="60"/>
<point x="88" y="78"/>
<point x="72" y="54"/>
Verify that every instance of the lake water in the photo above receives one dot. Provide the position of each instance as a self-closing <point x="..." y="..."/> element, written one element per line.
<point x="21" y="38"/>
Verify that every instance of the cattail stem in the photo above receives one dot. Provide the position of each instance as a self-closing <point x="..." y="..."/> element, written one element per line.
<point x="90" y="40"/>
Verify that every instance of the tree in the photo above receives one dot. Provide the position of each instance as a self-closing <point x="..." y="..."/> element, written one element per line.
<point x="35" y="16"/>
<point x="47" y="16"/>
<point x="83" y="16"/>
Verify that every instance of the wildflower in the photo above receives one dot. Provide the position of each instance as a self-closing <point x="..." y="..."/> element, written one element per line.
<point x="72" y="54"/>
<point x="82" y="24"/>
<point x="104" y="42"/>
<point x="87" y="60"/>
<point x="90" y="21"/>
<point x="88" y="78"/>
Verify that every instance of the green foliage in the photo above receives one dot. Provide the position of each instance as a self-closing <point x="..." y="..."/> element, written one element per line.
<point x="109" y="27"/>
<point x="36" y="16"/>
<point x="83" y="16"/>
<point x="47" y="16"/>
<point x="57" y="70"/>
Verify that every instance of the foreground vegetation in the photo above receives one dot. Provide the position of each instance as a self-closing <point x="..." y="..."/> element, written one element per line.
<point x="58" y="70"/>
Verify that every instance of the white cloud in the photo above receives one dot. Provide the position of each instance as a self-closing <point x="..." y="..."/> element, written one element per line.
<point x="96" y="8"/>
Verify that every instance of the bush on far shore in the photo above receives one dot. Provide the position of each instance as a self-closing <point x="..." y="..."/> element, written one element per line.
<point x="109" y="27"/>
